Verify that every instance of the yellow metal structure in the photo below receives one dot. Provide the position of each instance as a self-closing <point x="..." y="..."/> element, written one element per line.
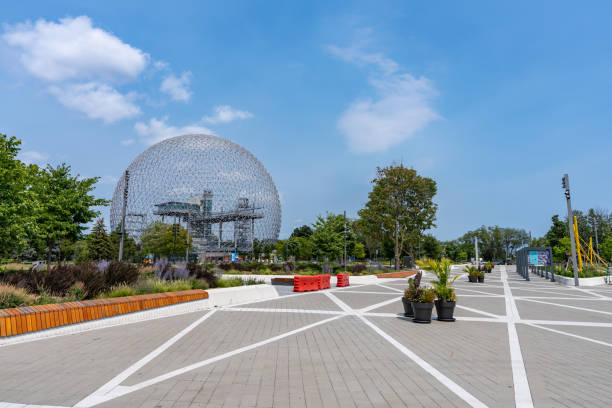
<point x="577" y="239"/>
<point x="591" y="251"/>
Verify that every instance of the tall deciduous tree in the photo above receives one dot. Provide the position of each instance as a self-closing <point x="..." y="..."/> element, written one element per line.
<point x="401" y="202"/>
<point x="16" y="203"/>
<point x="64" y="205"/>
<point x="328" y="236"/>
<point x="164" y="239"/>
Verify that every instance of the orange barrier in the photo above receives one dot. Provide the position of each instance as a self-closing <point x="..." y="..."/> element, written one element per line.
<point x="305" y="283"/>
<point x="325" y="282"/>
<point x="28" y="319"/>
<point x="343" y="280"/>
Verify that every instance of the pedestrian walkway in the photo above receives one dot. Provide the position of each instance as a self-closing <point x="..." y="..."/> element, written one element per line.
<point x="515" y="343"/>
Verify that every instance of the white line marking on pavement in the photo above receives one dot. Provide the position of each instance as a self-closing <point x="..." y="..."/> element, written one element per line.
<point x="566" y="323"/>
<point x="306" y="311"/>
<point x="603" y="343"/>
<point x="377" y="305"/>
<point x="568" y="306"/>
<point x="347" y="309"/>
<point x="447" y="382"/>
<point x="129" y="389"/>
<point x="390" y="288"/>
<point x="482" y="312"/>
<point x="118" y="379"/>
<point x="13" y="405"/>
<point x="522" y="393"/>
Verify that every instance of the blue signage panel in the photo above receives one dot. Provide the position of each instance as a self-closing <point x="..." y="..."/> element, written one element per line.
<point x="539" y="258"/>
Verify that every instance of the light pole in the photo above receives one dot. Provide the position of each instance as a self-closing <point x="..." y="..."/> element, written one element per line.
<point x="345" y="241"/>
<point x="123" y="210"/>
<point x="566" y="186"/>
<point x="476" y="250"/>
<point x="596" y="239"/>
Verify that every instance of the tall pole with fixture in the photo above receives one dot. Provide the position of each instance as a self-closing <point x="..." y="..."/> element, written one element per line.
<point x="123" y="211"/>
<point x="566" y="187"/>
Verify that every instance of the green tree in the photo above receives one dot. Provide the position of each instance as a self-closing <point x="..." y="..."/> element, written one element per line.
<point x="430" y="247"/>
<point x="561" y="250"/>
<point x="605" y="249"/>
<point x="558" y="230"/>
<point x="17" y="205"/>
<point x="130" y="249"/>
<point x="304" y="232"/>
<point x="164" y="239"/>
<point x="359" y="251"/>
<point x="401" y="202"/>
<point x="328" y="236"/>
<point x="99" y="245"/>
<point x="64" y="205"/>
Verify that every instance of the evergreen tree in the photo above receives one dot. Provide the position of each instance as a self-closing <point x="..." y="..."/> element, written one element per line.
<point x="98" y="243"/>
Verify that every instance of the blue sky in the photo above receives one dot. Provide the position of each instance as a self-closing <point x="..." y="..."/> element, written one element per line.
<point x="494" y="100"/>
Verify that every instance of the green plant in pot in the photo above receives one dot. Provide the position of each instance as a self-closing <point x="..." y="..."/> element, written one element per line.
<point x="443" y="288"/>
<point x="481" y="274"/>
<point x="472" y="272"/>
<point x="488" y="267"/>
<point x="413" y="286"/>
<point x="422" y="305"/>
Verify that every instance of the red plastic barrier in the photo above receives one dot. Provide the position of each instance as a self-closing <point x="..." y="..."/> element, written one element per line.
<point x="343" y="280"/>
<point x="325" y="282"/>
<point x="300" y="284"/>
<point x="305" y="283"/>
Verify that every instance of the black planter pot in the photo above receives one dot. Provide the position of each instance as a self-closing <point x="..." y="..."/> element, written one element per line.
<point x="473" y="278"/>
<point x="422" y="312"/>
<point x="481" y="279"/>
<point x="407" y="307"/>
<point x="445" y="310"/>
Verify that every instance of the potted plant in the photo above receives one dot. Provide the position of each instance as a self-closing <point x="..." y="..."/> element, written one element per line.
<point x="472" y="272"/>
<point x="445" y="293"/>
<point x="481" y="274"/>
<point x="409" y="294"/>
<point x="422" y="305"/>
<point x="489" y="267"/>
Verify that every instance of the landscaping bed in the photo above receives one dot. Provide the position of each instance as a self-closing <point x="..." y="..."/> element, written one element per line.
<point x="27" y="319"/>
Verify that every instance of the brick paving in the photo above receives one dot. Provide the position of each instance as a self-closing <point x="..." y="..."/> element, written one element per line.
<point x="515" y="343"/>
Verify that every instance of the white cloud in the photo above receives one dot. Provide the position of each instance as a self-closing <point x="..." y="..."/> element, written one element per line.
<point x="355" y="55"/>
<point x="177" y="87"/>
<point x="226" y="114"/>
<point x="401" y="108"/>
<point x="97" y="101"/>
<point x="31" y="157"/>
<point x="127" y="142"/>
<point x="157" y="130"/>
<point x="74" y="49"/>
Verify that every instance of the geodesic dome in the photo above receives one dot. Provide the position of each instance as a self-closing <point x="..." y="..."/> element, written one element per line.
<point x="214" y="187"/>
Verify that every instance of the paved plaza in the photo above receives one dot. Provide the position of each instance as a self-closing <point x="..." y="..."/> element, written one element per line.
<point x="515" y="343"/>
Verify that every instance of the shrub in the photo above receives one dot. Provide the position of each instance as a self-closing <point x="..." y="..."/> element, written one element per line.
<point x="93" y="279"/>
<point x="203" y="273"/>
<point x="228" y="283"/>
<point x="198" y="284"/>
<point x="121" y="290"/>
<point x="45" y="298"/>
<point x="11" y="296"/>
<point x="77" y="291"/>
<point x="121" y="272"/>
<point x="275" y="267"/>
<point x="57" y="281"/>
<point x="358" y="269"/>
<point x="252" y="281"/>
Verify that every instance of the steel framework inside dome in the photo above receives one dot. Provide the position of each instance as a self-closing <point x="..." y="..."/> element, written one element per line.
<point x="215" y="188"/>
